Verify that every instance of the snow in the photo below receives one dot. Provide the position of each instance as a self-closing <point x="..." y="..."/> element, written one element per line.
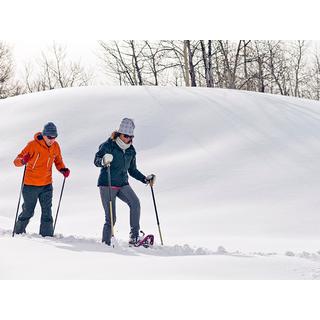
<point x="237" y="185"/>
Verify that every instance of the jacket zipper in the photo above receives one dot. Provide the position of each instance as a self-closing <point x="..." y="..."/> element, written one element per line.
<point x="48" y="162"/>
<point x="36" y="161"/>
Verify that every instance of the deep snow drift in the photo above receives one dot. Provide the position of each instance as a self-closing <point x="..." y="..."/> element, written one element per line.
<point x="235" y="169"/>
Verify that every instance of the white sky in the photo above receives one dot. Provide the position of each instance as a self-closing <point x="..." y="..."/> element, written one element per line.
<point x="28" y="51"/>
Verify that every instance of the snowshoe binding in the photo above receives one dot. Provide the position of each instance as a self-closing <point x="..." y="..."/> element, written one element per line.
<point x="144" y="240"/>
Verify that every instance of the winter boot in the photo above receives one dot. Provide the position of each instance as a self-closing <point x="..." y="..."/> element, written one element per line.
<point x="21" y="226"/>
<point x="46" y="229"/>
<point x="134" y="238"/>
<point x="106" y="234"/>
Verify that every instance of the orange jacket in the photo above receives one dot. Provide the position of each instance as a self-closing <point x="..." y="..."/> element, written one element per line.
<point x="42" y="157"/>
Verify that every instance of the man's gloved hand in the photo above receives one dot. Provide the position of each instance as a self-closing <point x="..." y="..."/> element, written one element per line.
<point x="65" y="172"/>
<point x="25" y="159"/>
<point x="151" y="179"/>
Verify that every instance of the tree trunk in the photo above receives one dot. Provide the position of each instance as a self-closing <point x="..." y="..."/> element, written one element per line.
<point x="207" y="61"/>
<point x="186" y="64"/>
<point x="136" y="64"/>
<point x="211" y="82"/>
<point x="191" y="66"/>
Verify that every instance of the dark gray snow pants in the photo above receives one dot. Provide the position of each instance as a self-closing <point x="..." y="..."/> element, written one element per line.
<point x="31" y="194"/>
<point x="127" y="195"/>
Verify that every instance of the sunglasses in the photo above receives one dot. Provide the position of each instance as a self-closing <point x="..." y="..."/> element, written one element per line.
<point x="128" y="137"/>
<point x="51" y="138"/>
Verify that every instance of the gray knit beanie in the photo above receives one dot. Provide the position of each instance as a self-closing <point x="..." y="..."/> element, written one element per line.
<point x="50" y="130"/>
<point x="127" y="126"/>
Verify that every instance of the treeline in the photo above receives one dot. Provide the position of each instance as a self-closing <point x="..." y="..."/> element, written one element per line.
<point x="289" y="68"/>
<point x="52" y="69"/>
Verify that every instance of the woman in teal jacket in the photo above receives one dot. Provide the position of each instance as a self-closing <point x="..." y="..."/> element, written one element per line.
<point x="119" y="145"/>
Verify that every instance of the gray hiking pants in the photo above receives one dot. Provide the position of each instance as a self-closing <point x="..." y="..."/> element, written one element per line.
<point x="127" y="195"/>
<point x="31" y="194"/>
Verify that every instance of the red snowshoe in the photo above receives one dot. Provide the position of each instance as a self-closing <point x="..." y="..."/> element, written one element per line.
<point x="143" y="240"/>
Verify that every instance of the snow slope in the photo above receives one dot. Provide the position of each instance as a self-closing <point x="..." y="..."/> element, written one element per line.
<point x="235" y="169"/>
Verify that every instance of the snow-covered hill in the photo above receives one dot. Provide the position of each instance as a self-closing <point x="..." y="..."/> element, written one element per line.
<point x="235" y="169"/>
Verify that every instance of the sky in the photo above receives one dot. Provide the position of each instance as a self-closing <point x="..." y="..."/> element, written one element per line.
<point x="86" y="51"/>
<point x="27" y="49"/>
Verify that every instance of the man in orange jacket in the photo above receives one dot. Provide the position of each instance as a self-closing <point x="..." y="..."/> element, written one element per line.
<point x="38" y="157"/>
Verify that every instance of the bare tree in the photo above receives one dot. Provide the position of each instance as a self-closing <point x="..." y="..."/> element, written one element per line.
<point x="191" y="51"/>
<point x="54" y="70"/>
<point x="297" y="62"/>
<point x="123" y="59"/>
<point x="153" y="58"/>
<point x="260" y="58"/>
<point x="207" y="62"/>
<point x="115" y="62"/>
<point x="315" y="75"/>
<point x="8" y="85"/>
<point x="186" y="64"/>
<point x="157" y="61"/>
<point x="140" y="62"/>
<point x="265" y="66"/>
<point x="177" y="53"/>
<point x="247" y="77"/>
<point x="231" y="61"/>
<point x="135" y="61"/>
<point x="278" y="66"/>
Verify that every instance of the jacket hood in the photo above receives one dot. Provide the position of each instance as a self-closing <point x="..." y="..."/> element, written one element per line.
<point x="38" y="137"/>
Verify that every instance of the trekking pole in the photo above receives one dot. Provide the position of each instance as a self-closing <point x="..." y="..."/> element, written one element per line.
<point x="155" y="208"/>
<point x="107" y="159"/>
<point x="55" y="220"/>
<point x="15" y="220"/>
<point x="110" y="205"/>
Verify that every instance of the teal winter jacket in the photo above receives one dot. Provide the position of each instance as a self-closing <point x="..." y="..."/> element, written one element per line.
<point x="123" y="162"/>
